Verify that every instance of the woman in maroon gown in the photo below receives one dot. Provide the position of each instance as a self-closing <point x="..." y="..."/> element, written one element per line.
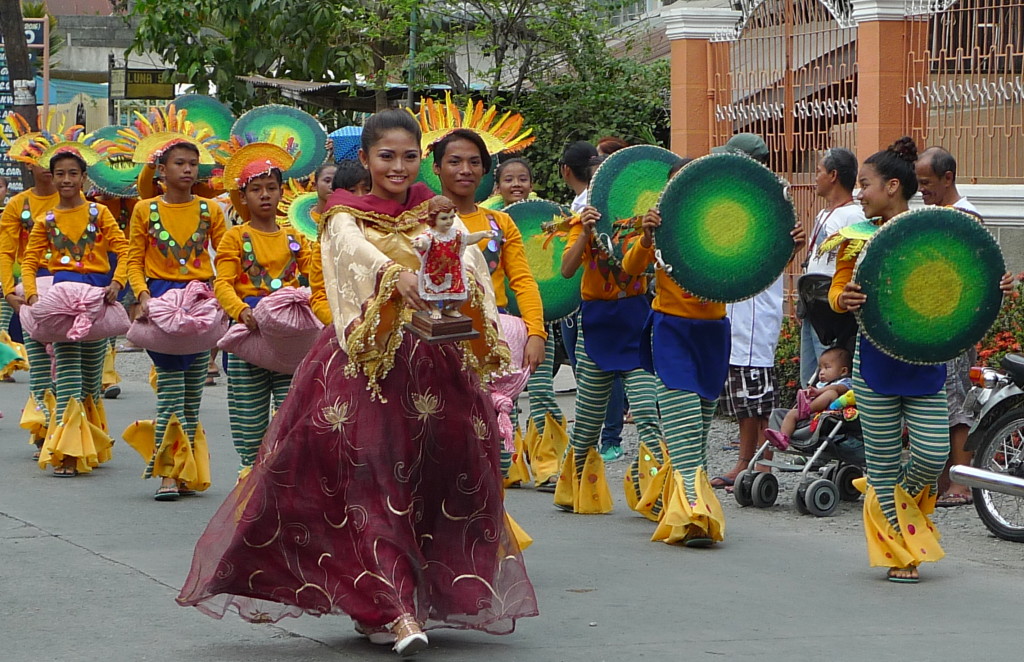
<point x="377" y="490"/>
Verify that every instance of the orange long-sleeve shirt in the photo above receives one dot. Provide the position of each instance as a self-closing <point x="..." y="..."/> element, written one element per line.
<point x="842" y="276"/>
<point x="15" y="225"/>
<point x="251" y="262"/>
<point x="670" y="298"/>
<point x="156" y="224"/>
<point x="318" y="293"/>
<point x="595" y="284"/>
<point x="48" y="246"/>
<point x="513" y="266"/>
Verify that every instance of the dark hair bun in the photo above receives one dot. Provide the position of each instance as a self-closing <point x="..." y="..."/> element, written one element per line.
<point x="905" y="148"/>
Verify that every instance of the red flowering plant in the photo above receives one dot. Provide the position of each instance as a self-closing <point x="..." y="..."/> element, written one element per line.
<point x="787" y="360"/>
<point x="1007" y="332"/>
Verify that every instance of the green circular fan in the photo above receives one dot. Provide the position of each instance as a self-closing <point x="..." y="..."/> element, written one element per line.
<point x="725" y="227"/>
<point x="207" y="113"/>
<point x="561" y="296"/>
<point x="115" y="175"/>
<point x="428" y="177"/>
<point x="627" y="184"/>
<point x="931" y="277"/>
<point x="300" y="214"/>
<point x="285" y="122"/>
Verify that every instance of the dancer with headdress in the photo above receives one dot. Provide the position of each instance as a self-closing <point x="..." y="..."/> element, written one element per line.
<point x="462" y="143"/>
<point x="253" y="261"/>
<point x="384" y="456"/>
<point x="73" y="241"/>
<point x="168" y="249"/>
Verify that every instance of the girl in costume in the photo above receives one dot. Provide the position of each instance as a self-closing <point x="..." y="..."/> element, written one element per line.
<point x="324" y="179"/>
<point x="514" y="182"/>
<point x="16" y="224"/>
<point x="168" y="248"/>
<point x="898" y="496"/>
<point x="252" y="261"/>
<point x="77" y="438"/>
<point x="687" y="345"/>
<point x="376" y="491"/>
<point x="461" y="159"/>
<point x="577" y="166"/>
<point x="611" y="321"/>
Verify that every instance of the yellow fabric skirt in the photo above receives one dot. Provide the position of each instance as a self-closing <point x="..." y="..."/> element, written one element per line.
<point x="178" y="458"/>
<point x="588" y="493"/>
<point x="77" y="436"/>
<point x="684" y="517"/>
<point x="917" y="540"/>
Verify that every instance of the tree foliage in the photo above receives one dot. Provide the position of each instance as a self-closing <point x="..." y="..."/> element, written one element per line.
<point x="211" y="42"/>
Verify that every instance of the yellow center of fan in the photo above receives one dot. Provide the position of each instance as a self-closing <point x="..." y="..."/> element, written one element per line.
<point x="542" y="260"/>
<point x="645" y="202"/>
<point x="727" y="224"/>
<point x="933" y="290"/>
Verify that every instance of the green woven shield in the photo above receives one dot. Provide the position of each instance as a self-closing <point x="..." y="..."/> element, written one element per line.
<point x="725" y="227"/>
<point x="626" y="185"/>
<point x="115" y="175"/>
<point x="561" y="296"/>
<point x="433" y="182"/>
<point x="282" y="123"/>
<point x="300" y="215"/>
<point x="207" y="113"/>
<point x="931" y="277"/>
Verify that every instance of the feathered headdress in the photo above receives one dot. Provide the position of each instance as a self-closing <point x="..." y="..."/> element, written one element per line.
<point x="38" y="147"/>
<point x="151" y="135"/>
<point x="245" y="158"/>
<point x="503" y="134"/>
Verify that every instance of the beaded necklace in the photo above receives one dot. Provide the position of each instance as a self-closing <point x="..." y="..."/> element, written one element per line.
<point x="179" y="254"/>
<point x="74" y="252"/>
<point x="257" y="274"/>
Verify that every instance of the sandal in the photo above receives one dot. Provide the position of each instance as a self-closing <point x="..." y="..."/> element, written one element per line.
<point x="911" y="578"/>
<point x="409" y="636"/>
<point x="65" y="472"/>
<point x="184" y="491"/>
<point x="952" y="500"/>
<point x="169" y="493"/>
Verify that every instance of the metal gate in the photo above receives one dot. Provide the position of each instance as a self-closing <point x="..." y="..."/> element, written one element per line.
<point x="788" y="72"/>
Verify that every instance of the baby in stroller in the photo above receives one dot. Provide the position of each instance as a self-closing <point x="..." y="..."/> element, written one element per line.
<point x="832" y="391"/>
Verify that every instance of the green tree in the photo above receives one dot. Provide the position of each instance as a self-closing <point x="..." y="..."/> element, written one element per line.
<point x="211" y="42"/>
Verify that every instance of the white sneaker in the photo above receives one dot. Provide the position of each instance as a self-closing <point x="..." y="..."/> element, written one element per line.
<point x="409" y="637"/>
<point x="378" y="636"/>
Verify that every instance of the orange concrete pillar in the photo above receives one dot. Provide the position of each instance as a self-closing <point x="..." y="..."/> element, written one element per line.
<point x="689" y="30"/>
<point x="881" y="82"/>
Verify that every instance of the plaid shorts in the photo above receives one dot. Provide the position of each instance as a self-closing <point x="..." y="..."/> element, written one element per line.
<point x="750" y="392"/>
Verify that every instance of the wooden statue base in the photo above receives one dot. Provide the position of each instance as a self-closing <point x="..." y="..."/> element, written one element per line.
<point x="446" y="329"/>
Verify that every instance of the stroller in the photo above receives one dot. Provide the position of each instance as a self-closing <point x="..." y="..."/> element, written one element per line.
<point x="829" y="456"/>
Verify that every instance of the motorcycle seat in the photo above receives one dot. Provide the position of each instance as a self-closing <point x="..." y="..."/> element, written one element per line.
<point x="1013" y="364"/>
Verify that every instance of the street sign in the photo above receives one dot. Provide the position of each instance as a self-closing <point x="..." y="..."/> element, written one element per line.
<point x="9" y="168"/>
<point x="147" y="84"/>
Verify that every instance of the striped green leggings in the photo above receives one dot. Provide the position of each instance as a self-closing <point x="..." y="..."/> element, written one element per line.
<point x="593" y="388"/>
<point x="179" y="392"/>
<point x="542" y="388"/>
<point x="686" y="418"/>
<point x="6" y="313"/>
<point x="79" y="371"/>
<point x="882" y="417"/>
<point x="40" y="377"/>
<point x="249" y="396"/>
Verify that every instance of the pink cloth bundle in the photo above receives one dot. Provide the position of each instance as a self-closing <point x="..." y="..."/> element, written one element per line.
<point x="73" y="312"/>
<point x="187" y="320"/>
<point x="287" y="330"/>
<point x="505" y="389"/>
<point x="43" y="285"/>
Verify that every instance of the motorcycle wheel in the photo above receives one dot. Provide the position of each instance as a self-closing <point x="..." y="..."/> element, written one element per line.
<point x="1002" y="451"/>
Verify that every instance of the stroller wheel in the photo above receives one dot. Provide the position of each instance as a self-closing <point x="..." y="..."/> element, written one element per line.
<point x="741" y="489"/>
<point x="765" y="490"/>
<point x="821" y="498"/>
<point x="798" y="498"/>
<point x="844" y="481"/>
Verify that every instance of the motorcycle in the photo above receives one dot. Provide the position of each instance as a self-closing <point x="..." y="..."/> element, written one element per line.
<point x="996" y="475"/>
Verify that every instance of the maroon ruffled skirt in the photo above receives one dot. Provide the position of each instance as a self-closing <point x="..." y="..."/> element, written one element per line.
<point x="371" y="509"/>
